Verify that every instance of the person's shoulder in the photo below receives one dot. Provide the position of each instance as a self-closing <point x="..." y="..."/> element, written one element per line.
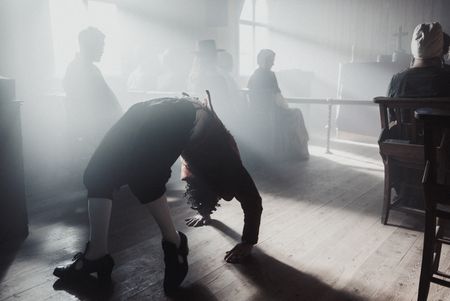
<point x="73" y="65"/>
<point x="80" y="66"/>
<point x="253" y="75"/>
<point x="434" y="72"/>
<point x="403" y="73"/>
<point x="396" y="80"/>
<point x="258" y="72"/>
<point x="407" y="74"/>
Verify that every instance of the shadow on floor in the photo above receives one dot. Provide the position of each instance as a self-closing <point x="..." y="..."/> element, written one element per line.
<point x="86" y="288"/>
<point x="193" y="292"/>
<point x="8" y="251"/>
<point x="276" y="280"/>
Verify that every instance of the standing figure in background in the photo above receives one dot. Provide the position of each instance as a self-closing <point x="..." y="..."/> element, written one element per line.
<point x="176" y="65"/>
<point x="288" y="137"/>
<point x="91" y="105"/>
<point x="145" y="76"/>
<point x="206" y="75"/>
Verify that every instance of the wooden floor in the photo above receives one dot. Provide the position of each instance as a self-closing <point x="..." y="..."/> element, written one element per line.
<point x="320" y="239"/>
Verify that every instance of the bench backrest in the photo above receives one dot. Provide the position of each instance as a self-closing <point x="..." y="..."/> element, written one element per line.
<point x="402" y="111"/>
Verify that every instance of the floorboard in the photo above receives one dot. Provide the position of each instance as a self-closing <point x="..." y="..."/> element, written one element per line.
<point x="320" y="239"/>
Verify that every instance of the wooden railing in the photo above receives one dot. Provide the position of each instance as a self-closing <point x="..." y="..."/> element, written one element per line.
<point x="330" y="102"/>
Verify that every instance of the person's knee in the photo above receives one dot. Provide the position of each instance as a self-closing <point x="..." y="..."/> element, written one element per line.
<point x="97" y="188"/>
<point x="89" y="179"/>
<point x="100" y="193"/>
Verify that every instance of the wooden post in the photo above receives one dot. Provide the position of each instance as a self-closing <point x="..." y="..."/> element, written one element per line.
<point x="13" y="210"/>
<point x="330" y="109"/>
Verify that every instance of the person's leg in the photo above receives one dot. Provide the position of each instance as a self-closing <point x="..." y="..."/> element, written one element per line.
<point x="161" y="213"/>
<point x="95" y="258"/>
<point x="99" y="218"/>
<point x="174" y="244"/>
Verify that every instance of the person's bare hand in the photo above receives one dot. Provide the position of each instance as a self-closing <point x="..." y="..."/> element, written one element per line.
<point x="197" y="221"/>
<point x="241" y="251"/>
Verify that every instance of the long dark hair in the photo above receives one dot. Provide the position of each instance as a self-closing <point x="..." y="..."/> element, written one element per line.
<point x="446" y="47"/>
<point x="200" y="196"/>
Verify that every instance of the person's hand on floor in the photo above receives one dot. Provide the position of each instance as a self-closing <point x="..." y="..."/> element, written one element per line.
<point x="198" y="220"/>
<point x="241" y="251"/>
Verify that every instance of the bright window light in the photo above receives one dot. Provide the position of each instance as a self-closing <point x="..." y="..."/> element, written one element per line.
<point x="261" y="11"/>
<point x="246" y="57"/>
<point x="104" y="16"/>
<point x="253" y="34"/>
<point x="69" y="17"/>
<point x="247" y="10"/>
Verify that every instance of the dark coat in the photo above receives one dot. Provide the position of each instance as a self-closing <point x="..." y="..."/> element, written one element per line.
<point x="141" y="147"/>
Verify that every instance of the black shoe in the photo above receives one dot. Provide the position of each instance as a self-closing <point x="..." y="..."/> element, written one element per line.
<point x="175" y="272"/>
<point x="82" y="267"/>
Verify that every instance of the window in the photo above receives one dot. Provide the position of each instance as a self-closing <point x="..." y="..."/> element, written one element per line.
<point x="104" y="16"/>
<point x="68" y="17"/>
<point x="253" y="33"/>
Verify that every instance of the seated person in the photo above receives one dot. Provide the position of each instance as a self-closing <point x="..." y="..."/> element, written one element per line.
<point x="138" y="151"/>
<point x="427" y="76"/>
<point x="290" y="137"/>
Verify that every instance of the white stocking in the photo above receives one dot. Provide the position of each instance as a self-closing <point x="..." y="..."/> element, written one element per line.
<point x="99" y="217"/>
<point x="161" y="213"/>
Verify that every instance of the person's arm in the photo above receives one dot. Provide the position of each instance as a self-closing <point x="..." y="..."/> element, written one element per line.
<point x="279" y="99"/>
<point x="393" y="90"/>
<point x="251" y="204"/>
<point x="281" y="102"/>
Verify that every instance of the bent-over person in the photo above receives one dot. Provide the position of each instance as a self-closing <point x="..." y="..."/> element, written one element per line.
<point x="139" y="151"/>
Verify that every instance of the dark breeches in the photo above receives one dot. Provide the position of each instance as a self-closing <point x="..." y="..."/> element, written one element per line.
<point x="138" y="151"/>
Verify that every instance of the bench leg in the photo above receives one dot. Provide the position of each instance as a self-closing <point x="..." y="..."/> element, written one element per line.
<point x="387" y="195"/>
<point x="427" y="256"/>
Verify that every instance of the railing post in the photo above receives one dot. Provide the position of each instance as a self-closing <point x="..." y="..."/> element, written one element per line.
<point x="330" y="109"/>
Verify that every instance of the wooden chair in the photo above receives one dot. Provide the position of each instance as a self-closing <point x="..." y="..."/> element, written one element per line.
<point x="436" y="187"/>
<point x="401" y="146"/>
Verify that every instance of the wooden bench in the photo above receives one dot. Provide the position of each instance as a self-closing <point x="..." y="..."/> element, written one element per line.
<point x="401" y="146"/>
<point x="436" y="186"/>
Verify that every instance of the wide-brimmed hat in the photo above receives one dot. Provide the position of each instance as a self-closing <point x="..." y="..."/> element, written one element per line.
<point x="207" y="48"/>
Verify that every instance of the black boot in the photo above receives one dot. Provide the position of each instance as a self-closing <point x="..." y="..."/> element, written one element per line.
<point x="81" y="267"/>
<point x="175" y="272"/>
